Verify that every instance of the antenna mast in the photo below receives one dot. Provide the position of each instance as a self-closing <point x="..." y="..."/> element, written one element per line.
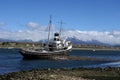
<point x="60" y="27"/>
<point x="50" y="25"/>
<point x="61" y="23"/>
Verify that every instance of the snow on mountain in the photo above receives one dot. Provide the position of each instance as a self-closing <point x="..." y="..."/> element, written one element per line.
<point x="112" y="38"/>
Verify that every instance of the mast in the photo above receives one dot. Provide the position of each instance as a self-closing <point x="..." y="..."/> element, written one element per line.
<point x="61" y="23"/>
<point x="50" y="25"/>
<point x="60" y="28"/>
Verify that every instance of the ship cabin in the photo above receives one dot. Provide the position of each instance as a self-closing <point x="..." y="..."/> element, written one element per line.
<point x="56" y="43"/>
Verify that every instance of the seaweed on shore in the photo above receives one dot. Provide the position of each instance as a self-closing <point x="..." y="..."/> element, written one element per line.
<point x="65" y="74"/>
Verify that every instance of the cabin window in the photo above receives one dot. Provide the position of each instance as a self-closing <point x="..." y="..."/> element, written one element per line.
<point x="54" y="39"/>
<point x="57" y="39"/>
<point x="56" y="34"/>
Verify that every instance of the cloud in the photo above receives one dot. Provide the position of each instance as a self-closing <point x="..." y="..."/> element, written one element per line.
<point x="22" y="35"/>
<point x="37" y="27"/>
<point x="37" y="32"/>
<point x="32" y="25"/>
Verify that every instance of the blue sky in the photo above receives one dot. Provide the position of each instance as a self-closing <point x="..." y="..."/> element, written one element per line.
<point x="86" y="20"/>
<point x="86" y="15"/>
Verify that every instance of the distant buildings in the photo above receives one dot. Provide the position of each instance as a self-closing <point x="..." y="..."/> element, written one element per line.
<point x="39" y="44"/>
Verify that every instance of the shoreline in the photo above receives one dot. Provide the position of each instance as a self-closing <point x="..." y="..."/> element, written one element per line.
<point x="108" y="73"/>
<point x="93" y="49"/>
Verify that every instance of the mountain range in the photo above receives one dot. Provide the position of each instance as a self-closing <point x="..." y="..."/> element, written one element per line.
<point x="92" y="42"/>
<point x="73" y="40"/>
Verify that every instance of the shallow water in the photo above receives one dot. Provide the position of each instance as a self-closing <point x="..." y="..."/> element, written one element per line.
<point x="11" y="60"/>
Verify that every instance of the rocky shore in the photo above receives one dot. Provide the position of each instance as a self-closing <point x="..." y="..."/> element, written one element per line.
<point x="65" y="74"/>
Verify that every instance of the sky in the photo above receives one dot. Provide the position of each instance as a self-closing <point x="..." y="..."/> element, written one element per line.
<point x="32" y="16"/>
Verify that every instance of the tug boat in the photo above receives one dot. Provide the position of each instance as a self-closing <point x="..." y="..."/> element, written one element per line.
<point x="53" y="48"/>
